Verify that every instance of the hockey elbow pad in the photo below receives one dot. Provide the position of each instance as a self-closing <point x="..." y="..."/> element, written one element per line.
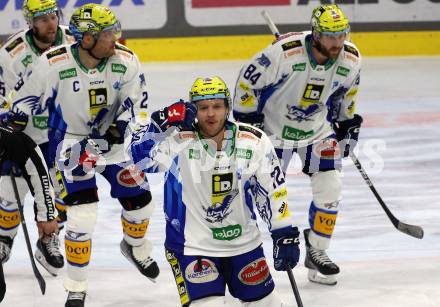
<point x="255" y="119"/>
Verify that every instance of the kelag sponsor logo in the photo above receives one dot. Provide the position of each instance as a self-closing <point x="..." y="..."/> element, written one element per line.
<point x="227" y="233"/>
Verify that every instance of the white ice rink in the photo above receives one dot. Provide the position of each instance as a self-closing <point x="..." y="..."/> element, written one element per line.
<point x="400" y="148"/>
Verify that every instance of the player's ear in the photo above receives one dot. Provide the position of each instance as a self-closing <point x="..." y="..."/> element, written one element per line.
<point x="87" y="39"/>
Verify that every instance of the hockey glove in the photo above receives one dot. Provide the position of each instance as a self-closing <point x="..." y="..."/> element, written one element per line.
<point x="285" y="247"/>
<point x="116" y="132"/>
<point x="255" y="119"/>
<point x="347" y="134"/>
<point x="15" y="121"/>
<point x="180" y="114"/>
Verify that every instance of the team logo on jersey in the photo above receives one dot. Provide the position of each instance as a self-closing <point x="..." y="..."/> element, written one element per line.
<point x="263" y="60"/>
<point x="299" y="114"/>
<point x="255" y="272"/>
<point x="97" y="100"/>
<point x="201" y="271"/>
<point x="222" y="197"/>
<point x="312" y="94"/>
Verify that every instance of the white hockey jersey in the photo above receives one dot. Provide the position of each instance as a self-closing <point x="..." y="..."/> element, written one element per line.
<point x="299" y="98"/>
<point x="210" y="195"/>
<point x="81" y="100"/>
<point x="17" y="56"/>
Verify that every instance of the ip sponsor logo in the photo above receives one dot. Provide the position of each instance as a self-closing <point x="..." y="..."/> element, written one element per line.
<point x="201" y="271"/>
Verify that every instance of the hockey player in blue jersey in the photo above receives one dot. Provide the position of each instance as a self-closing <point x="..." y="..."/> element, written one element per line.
<point x="301" y="91"/>
<point x="93" y="89"/>
<point x="218" y="173"/>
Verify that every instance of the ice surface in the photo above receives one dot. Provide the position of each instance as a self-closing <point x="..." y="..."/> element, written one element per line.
<point x="400" y="149"/>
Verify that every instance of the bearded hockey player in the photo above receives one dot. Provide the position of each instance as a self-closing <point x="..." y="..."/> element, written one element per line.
<point x="17" y="57"/>
<point x="86" y="87"/>
<point x="217" y="174"/>
<point x="301" y="91"/>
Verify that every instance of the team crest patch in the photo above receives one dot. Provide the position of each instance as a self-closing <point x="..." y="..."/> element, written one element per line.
<point x="202" y="271"/>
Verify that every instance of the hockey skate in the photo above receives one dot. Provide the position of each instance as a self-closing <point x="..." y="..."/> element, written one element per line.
<point x="5" y="248"/>
<point x="75" y="299"/>
<point x="48" y="254"/>
<point x="321" y="269"/>
<point x="139" y="256"/>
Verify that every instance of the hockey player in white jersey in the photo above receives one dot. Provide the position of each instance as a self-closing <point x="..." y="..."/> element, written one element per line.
<point x="301" y="91"/>
<point x="17" y="56"/>
<point x="86" y="86"/>
<point x="217" y="174"/>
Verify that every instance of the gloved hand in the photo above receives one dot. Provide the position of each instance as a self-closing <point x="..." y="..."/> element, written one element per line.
<point x="17" y="121"/>
<point x="285" y="247"/>
<point x="180" y="114"/>
<point x="116" y="132"/>
<point x="347" y="133"/>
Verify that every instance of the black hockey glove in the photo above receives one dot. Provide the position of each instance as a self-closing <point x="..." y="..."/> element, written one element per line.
<point x="255" y="119"/>
<point x="180" y="114"/>
<point x="285" y="247"/>
<point x="347" y="134"/>
<point x="17" y="121"/>
<point x="116" y="132"/>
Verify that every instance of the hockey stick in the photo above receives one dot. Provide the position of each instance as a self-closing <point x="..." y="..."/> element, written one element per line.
<point x="37" y="273"/>
<point x="411" y="230"/>
<point x="2" y="283"/>
<point x="294" y="287"/>
<point x="273" y="28"/>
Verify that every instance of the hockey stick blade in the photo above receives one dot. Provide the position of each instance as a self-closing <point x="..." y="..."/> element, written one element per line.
<point x="411" y="230"/>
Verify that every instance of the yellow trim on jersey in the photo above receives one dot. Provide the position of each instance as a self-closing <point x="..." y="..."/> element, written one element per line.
<point x="243" y="47"/>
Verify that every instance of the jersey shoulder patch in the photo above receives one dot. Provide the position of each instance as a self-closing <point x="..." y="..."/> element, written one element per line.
<point x="351" y="49"/>
<point x="14" y="44"/>
<point x="291" y="45"/>
<point x="249" y="129"/>
<point x="56" y="52"/>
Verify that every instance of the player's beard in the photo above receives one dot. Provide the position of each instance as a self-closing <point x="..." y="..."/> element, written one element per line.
<point x="325" y="51"/>
<point x="43" y="38"/>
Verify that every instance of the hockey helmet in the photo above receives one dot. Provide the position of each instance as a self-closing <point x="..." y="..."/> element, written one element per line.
<point x="94" y="18"/>
<point x="329" y="20"/>
<point x="210" y="88"/>
<point x="35" y="8"/>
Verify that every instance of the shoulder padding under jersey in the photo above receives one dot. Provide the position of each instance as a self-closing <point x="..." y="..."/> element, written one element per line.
<point x="123" y="48"/>
<point x="249" y="129"/>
